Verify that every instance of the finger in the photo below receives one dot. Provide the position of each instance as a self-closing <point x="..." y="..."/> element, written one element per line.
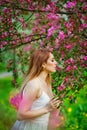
<point x="58" y="106"/>
<point x="51" y="105"/>
<point x="54" y="99"/>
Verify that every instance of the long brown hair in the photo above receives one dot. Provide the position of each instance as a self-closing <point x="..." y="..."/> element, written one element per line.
<point x="39" y="57"/>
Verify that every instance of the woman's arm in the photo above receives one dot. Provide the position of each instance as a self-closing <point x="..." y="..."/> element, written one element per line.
<point x="30" y="94"/>
<point x="31" y="114"/>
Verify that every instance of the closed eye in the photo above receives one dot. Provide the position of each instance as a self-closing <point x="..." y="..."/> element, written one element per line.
<point x="53" y="60"/>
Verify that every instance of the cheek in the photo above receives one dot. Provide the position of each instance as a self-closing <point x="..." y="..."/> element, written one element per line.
<point x="50" y="65"/>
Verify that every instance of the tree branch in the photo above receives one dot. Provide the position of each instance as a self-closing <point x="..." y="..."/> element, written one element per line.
<point x="6" y="49"/>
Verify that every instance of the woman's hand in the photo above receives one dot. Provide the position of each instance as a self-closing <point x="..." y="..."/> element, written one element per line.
<point x="53" y="104"/>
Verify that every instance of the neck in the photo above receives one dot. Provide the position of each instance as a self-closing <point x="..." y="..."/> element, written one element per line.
<point x="43" y="75"/>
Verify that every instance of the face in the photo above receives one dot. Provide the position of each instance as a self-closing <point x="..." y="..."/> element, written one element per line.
<point x="51" y="64"/>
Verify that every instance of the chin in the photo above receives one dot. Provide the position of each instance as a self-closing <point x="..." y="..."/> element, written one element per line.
<point x="53" y="71"/>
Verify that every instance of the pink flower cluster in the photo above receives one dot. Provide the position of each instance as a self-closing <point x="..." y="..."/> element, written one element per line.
<point x="15" y="100"/>
<point x="61" y="88"/>
<point x="69" y="68"/>
<point x="70" y="61"/>
<point x="85" y="58"/>
<point x="69" y="46"/>
<point x="4" y="34"/>
<point x="27" y="48"/>
<point x="85" y="6"/>
<point x="61" y="35"/>
<point x="53" y="16"/>
<point x="51" y="31"/>
<point x="71" y="4"/>
<point x="84" y="25"/>
<point x="48" y="7"/>
<point x="24" y="1"/>
<point x="3" y="43"/>
<point x="70" y="64"/>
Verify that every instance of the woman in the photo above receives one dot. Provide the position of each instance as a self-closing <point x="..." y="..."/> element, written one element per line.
<point x="37" y="101"/>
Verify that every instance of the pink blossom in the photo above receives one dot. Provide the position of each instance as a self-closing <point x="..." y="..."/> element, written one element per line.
<point x="71" y="4"/>
<point x="61" y="35"/>
<point x="12" y="28"/>
<point x="58" y="68"/>
<point x="5" y="34"/>
<point x="84" y="25"/>
<point x="62" y="54"/>
<point x="85" y="57"/>
<point x="57" y="43"/>
<point x="47" y="8"/>
<point x="50" y="31"/>
<point x="66" y="79"/>
<point x="68" y="24"/>
<point x="7" y="0"/>
<point x="68" y="68"/>
<point x="53" y="6"/>
<point x="85" y="7"/>
<point x="56" y="46"/>
<point x="41" y="43"/>
<point x="1" y="18"/>
<point x="15" y="101"/>
<point x="4" y="42"/>
<point x="84" y="17"/>
<point x="43" y="30"/>
<point x="27" y="48"/>
<point x="70" y="61"/>
<point x="51" y="48"/>
<point x="6" y="10"/>
<point x="27" y="39"/>
<point x="68" y="46"/>
<point x="34" y="29"/>
<point x="21" y="0"/>
<point x="10" y="20"/>
<point x="74" y="67"/>
<point x="28" y="1"/>
<point x="21" y="20"/>
<point x="1" y="46"/>
<point x="83" y="65"/>
<point x="69" y="32"/>
<point x="53" y="16"/>
<point x="82" y="0"/>
<point x="61" y="88"/>
<point x="14" y="42"/>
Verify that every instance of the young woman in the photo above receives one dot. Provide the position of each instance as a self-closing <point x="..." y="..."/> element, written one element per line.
<point x="37" y="101"/>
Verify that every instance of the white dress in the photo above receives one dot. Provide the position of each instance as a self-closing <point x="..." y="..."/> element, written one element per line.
<point x="39" y="123"/>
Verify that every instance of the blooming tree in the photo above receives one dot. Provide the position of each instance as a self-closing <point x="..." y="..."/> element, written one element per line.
<point x="59" y="25"/>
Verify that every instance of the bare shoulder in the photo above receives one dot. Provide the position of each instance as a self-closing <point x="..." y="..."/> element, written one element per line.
<point x="32" y="85"/>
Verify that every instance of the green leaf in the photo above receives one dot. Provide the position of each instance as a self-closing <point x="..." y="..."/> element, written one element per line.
<point x="85" y="73"/>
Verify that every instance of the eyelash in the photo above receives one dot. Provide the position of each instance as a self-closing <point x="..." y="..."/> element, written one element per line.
<point x="52" y="60"/>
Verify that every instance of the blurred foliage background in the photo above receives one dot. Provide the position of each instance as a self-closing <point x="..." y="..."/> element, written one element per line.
<point x="59" y="25"/>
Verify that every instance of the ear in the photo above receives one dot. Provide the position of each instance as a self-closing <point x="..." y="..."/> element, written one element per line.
<point x="43" y="65"/>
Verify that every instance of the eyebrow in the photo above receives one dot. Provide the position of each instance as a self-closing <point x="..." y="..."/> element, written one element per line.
<point x="52" y="57"/>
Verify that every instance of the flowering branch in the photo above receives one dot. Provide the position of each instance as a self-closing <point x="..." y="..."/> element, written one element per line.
<point x="13" y="47"/>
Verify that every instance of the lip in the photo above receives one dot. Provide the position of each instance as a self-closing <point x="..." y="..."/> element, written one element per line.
<point x="55" y="68"/>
